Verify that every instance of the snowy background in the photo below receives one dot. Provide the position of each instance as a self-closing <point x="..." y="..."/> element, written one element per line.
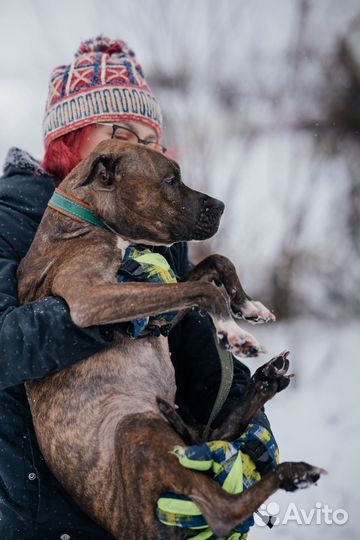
<point x="262" y="109"/>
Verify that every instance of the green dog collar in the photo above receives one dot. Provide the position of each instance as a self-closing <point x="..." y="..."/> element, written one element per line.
<point x="74" y="209"/>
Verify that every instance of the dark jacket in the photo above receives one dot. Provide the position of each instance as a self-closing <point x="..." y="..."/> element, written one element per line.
<point x="40" y="338"/>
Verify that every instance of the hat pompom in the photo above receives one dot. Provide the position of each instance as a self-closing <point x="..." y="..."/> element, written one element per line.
<point x="105" y="45"/>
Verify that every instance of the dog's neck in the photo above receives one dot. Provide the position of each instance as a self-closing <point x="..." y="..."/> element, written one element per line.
<point x="80" y="211"/>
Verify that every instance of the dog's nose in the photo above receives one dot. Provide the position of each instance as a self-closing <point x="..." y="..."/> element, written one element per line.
<point x="214" y="205"/>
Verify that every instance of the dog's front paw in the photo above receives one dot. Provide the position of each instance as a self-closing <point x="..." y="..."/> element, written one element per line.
<point x="236" y="340"/>
<point x="300" y="475"/>
<point x="252" y="311"/>
<point x="273" y="376"/>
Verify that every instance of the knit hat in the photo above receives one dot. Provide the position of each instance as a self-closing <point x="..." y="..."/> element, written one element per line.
<point x="105" y="83"/>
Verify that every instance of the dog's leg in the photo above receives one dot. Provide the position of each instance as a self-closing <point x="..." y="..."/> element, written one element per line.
<point x="98" y="302"/>
<point x="267" y="380"/>
<point x="146" y="469"/>
<point x="221" y="271"/>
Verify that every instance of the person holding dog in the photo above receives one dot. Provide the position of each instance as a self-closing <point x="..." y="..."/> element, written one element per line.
<point x="101" y="95"/>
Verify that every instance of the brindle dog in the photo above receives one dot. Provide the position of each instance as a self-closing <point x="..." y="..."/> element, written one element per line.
<point x="98" y="422"/>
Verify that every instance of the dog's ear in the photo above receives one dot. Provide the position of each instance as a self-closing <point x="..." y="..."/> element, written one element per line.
<point x="100" y="172"/>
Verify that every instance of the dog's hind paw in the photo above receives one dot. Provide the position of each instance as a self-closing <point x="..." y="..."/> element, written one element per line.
<point x="237" y="341"/>
<point x="273" y="376"/>
<point x="252" y="311"/>
<point x="294" y="476"/>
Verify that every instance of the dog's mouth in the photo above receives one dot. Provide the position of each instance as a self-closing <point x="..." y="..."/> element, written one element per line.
<point x="207" y="224"/>
<point x="204" y="226"/>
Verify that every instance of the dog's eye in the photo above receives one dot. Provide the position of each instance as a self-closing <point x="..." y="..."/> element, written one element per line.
<point x="171" y="180"/>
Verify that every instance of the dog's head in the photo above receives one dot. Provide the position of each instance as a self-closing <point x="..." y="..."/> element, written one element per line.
<point x="140" y="194"/>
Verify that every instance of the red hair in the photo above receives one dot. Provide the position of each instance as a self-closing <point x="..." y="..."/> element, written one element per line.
<point x="63" y="154"/>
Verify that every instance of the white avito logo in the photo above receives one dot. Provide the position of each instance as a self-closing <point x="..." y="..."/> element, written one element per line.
<point x="320" y="515"/>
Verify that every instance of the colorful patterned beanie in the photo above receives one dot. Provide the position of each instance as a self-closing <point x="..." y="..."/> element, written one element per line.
<point x="105" y="83"/>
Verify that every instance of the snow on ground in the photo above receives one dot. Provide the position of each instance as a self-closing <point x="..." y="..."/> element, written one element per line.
<point x="316" y="420"/>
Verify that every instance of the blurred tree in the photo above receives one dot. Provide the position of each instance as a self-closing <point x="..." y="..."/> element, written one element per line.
<point x="230" y="103"/>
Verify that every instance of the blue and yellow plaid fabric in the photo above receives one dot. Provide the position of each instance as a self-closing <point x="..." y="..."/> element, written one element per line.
<point x="230" y="466"/>
<point x="140" y="264"/>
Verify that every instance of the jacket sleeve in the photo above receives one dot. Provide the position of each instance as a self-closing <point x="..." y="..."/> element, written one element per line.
<point x="197" y="364"/>
<point x="38" y="338"/>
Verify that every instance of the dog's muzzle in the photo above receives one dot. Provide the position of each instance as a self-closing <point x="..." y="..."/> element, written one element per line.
<point x="209" y="219"/>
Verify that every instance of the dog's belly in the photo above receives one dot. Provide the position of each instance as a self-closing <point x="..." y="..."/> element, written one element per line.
<point x="77" y="410"/>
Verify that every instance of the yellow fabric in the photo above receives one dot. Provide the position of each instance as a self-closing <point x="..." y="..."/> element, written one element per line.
<point x="230" y="466"/>
<point x="234" y="480"/>
<point x="178" y="506"/>
<point x="154" y="259"/>
<point x="197" y="465"/>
